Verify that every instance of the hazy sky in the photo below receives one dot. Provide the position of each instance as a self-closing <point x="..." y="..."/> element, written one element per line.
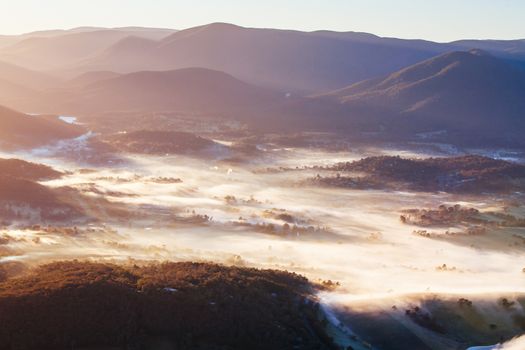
<point x="440" y="20"/>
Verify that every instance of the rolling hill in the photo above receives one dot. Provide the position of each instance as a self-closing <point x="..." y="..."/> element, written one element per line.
<point x="18" y="85"/>
<point x="159" y="142"/>
<point x="192" y="90"/>
<point x="16" y="95"/>
<point x="22" y="197"/>
<point x="19" y="131"/>
<point x="27" y="170"/>
<point x="89" y="78"/>
<point x="458" y="93"/>
<point x="172" y="305"/>
<point x="61" y="49"/>
<point x="26" y="77"/>
<point x="463" y="174"/>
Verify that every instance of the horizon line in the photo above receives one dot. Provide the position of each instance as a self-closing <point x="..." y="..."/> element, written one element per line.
<point x="69" y="29"/>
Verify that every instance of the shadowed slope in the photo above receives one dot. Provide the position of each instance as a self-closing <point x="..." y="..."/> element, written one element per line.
<point x="18" y="130"/>
<point x="458" y="92"/>
<point x="179" y="305"/>
<point x="195" y="90"/>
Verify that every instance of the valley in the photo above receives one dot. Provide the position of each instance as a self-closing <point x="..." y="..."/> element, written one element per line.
<point x="226" y="187"/>
<point x="197" y="204"/>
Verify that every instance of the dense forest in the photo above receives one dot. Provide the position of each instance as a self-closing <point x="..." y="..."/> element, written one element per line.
<point x="465" y="174"/>
<point x="71" y="305"/>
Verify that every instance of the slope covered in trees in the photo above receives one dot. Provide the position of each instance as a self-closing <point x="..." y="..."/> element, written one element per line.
<point x="176" y="305"/>
<point x="18" y="130"/>
<point x="159" y="142"/>
<point x="461" y="96"/>
<point x="473" y="174"/>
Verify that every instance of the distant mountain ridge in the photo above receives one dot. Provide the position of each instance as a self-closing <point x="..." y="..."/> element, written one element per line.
<point x="277" y="79"/>
<point x="288" y="60"/>
<point x="466" y="96"/>
<point x="59" y="50"/>
<point x="283" y="59"/>
<point x="191" y="90"/>
<point x="458" y="92"/>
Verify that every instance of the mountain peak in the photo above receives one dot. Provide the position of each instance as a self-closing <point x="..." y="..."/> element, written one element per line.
<point x="457" y="92"/>
<point x="213" y="28"/>
<point x="222" y="26"/>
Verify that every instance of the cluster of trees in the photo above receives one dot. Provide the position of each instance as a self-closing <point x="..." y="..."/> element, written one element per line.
<point x="463" y="302"/>
<point x="466" y="322"/>
<point x="68" y="305"/>
<point x="283" y="215"/>
<point x="471" y="221"/>
<point x="194" y="218"/>
<point x="443" y="215"/>
<point x="10" y="269"/>
<point x="446" y="268"/>
<point x="342" y="181"/>
<point x="232" y="200"/>
<point x="284" y="229"/>
<point x="469" y="231"/>
<point x="424" y="319"/>
<point x="158" y="142"/>
<point x="165" y="180"/>
<point x="454" y="174"/>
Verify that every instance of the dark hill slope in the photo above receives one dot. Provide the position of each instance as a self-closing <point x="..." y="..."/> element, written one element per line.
<point x="18" y="130"/>
<point x="27" y="170"/>
<point x="459" y="93"/>
<point x="172" y="305"/>
<point x="23" y="199"/>
<point x="194" y="90"/>
<point x="159" y="142"/>
<point x="465" y="174"/>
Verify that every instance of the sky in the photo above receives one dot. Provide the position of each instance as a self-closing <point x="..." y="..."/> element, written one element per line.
<point x="437" y="20"/>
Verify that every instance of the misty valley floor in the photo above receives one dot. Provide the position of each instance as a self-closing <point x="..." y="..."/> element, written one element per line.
<point x="374" y="269"/>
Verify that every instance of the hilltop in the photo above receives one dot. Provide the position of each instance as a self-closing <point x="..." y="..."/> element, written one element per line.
<point x="464" y="174"/>
<point x="178" y="305"/>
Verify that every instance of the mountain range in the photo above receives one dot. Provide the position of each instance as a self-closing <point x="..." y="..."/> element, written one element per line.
<point x="457" y="92"/>
<point x="57" y="50"/>
<point x="274" y="79"/>
<point x="283" y="59"/>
